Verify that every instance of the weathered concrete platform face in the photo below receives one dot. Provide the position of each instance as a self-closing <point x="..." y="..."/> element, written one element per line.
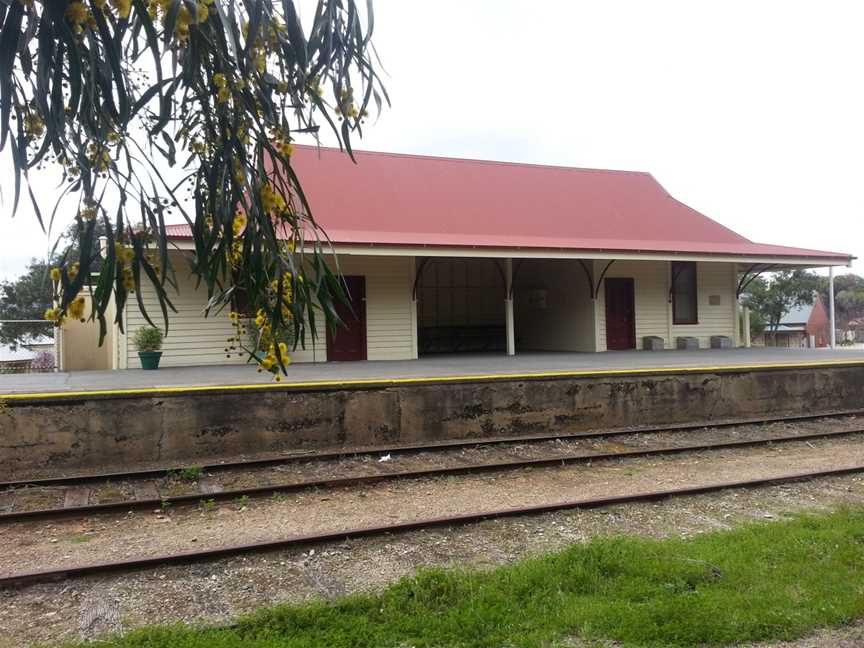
<point x="119" y="433"/>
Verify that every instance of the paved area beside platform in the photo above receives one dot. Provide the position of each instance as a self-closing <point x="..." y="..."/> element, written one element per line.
<point x="428" y="367"/>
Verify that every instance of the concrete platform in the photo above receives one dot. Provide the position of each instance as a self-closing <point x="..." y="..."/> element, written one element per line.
<point x="443" y="368"/>
<point x="108" y="420"/>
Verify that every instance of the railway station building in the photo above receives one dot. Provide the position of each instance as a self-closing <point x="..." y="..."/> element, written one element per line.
<point x="453" y="256"/>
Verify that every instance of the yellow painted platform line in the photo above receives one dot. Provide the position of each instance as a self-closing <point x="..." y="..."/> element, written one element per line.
<point x="384" y="382"/>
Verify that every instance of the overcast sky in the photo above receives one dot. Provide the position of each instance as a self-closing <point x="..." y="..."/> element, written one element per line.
<point x="751" y="112"/>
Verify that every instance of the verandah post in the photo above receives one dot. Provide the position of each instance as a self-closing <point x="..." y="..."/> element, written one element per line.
<point x="508" y="308"/>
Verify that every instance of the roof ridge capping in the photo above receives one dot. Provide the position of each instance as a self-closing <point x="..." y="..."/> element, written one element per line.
<point x="471" y="160"/>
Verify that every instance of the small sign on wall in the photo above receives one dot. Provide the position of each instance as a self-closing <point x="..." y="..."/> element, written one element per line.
<point x="537" y="298"/>
<point x="714" y="300"/>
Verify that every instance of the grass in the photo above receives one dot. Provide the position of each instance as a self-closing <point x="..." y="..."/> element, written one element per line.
<point x="766" y="581"/>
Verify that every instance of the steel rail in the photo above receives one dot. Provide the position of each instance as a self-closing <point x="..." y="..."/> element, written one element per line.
<point x="419" y="447"/>
<point x="400" y="527"/>
<point x="361" y="480"/>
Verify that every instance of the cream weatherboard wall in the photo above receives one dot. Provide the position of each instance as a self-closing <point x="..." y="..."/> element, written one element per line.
<point x="194" y="339"/>
<point x="391" y="324"/>
<point x="651" y="279"/>
<point x="715" y="293"/>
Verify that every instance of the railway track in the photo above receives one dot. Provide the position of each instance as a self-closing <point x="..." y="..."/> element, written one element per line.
<point x="25" y="578"/>
<point x="75" y="509"/>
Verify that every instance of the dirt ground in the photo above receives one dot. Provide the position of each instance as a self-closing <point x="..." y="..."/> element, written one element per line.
<point x="215" y="592"/>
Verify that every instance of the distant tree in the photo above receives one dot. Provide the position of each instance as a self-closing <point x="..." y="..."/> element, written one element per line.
<point x="26" y="298"/>
<point x="771" y="299"/>
<point x="848" y="297"/>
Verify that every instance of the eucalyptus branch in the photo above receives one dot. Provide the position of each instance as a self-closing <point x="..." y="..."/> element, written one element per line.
<point x="223" y="84"/>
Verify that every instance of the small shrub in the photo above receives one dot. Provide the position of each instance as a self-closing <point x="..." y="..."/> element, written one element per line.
<point x="148" y="338"/>
<point x="191" y="474"/>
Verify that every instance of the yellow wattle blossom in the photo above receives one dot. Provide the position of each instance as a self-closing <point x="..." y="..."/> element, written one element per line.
<point x="123" y="7"/>
<point x="260" y="61"/>
<point x="128" y="280"/>
<point x="55" y="275"/>
<point x="124" y="254"/>
<point x="52" y="315"/>
<point x="260" y="318"/>
<point x="33" y="125"/>
<point x="239" y="173"/>
<point x="271" y="200"/>
<point x="76" y="308"/>
<point x="73" y="271"/>
<point x="239" y="223"/>
<point x="181" y="27"/>
<point x="236" y="254"/>
<point x="77" y="14"/>
<point x="99" y="156"/>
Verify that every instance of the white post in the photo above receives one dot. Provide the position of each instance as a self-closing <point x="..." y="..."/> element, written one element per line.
<point x="508" y="309"/>
<point x="831" y="306"/>
<point x="746" y="327"/>
<point x="737" y="318"/>
<point x="59" y="364"/>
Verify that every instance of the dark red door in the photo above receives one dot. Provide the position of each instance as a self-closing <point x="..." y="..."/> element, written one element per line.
<point x="620" y="314"/>
<point x="349" y="343"/>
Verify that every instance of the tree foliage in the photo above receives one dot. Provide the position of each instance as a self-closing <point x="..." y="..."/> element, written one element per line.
<point x="770" y="299"/>
<point x="848" y="297"/>
<point x="116" y="91"/>
<point x="25" y="298"/>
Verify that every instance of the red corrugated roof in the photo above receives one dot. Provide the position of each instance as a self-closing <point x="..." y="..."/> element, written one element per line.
<point x="396" y="199"/>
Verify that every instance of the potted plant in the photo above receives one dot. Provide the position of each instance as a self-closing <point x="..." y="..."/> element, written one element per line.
<point x="148" y="341"/>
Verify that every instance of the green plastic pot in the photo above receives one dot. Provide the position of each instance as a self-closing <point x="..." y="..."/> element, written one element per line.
<point x="149" y="359"/>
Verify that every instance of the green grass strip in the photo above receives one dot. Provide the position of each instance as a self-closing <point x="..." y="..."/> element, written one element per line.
<point x="766" y="581"/>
